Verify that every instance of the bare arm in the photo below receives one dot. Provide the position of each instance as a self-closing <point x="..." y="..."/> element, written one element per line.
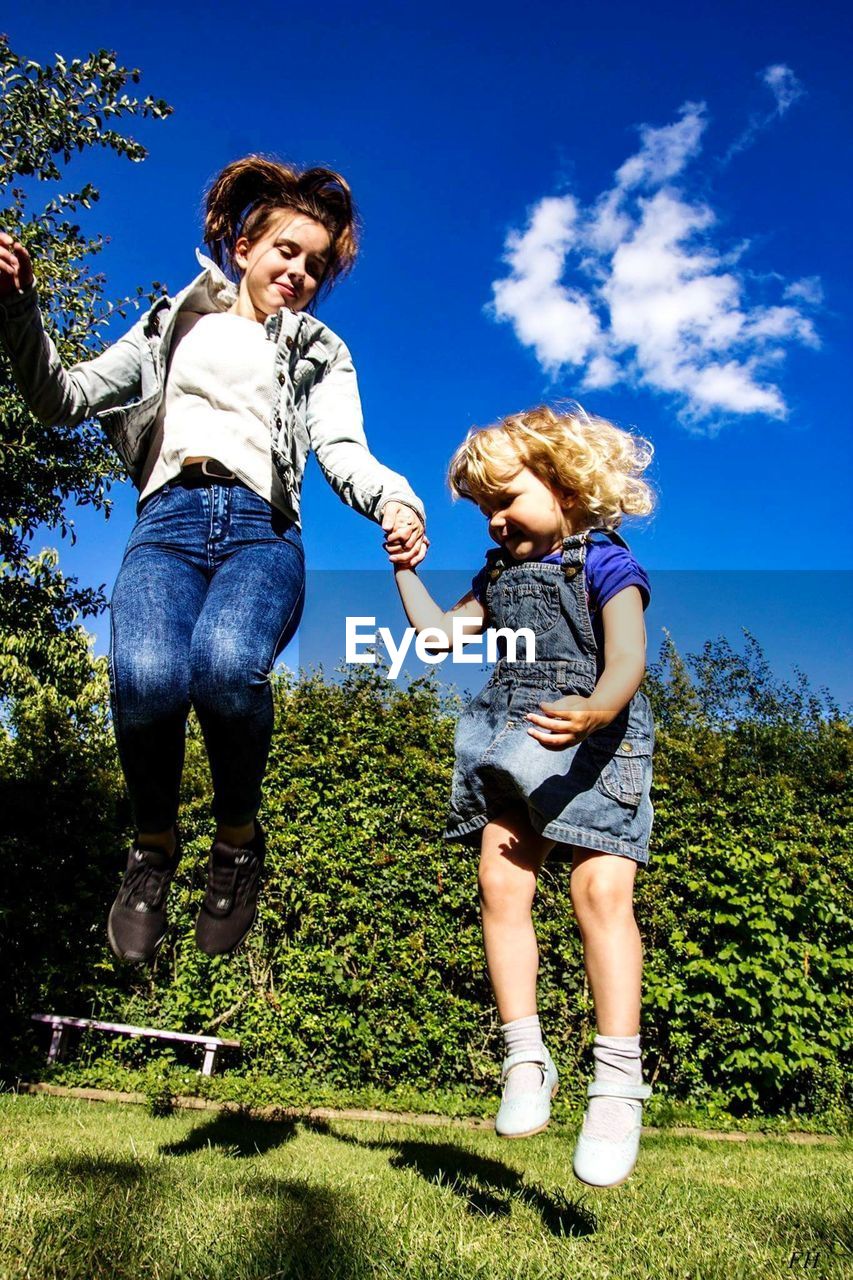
<point x="624" y="655"/>
<point x="570" y="720"/>
<point x="423" y="612"/>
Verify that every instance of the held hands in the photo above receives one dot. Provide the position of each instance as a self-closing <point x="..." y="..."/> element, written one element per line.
<point x="16" y="268"/>
<point x="565" y="723"/>
<point x="405" y="540"/>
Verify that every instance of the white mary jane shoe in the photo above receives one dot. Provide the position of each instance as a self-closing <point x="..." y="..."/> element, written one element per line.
<point x="599" y="1162"/>
<point x="527" y="1113"/>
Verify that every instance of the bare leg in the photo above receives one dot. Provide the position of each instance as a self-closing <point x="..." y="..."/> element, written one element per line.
<point x="236" y="836"/>
<point x="603" y="898"/>
<point x="511" y="858"/>
<point x="165" y="840"/>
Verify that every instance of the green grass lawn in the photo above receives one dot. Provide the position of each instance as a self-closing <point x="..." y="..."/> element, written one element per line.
<point x="94" y="1190"/>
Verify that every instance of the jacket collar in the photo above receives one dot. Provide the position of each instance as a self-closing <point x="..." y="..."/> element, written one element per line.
<point x="212" y="291"/>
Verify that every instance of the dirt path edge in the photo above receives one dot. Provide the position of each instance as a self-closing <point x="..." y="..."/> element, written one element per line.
<point x="387" y="1117"/>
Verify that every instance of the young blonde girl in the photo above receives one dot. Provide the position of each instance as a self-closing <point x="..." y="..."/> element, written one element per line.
<point x="558" y="750"/>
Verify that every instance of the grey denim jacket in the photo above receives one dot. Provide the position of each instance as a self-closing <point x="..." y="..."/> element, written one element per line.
<point x="314" y="401"/>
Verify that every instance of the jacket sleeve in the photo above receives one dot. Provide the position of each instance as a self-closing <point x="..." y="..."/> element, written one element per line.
<point x="58" y="396"/>
<point x="336" y="435"/>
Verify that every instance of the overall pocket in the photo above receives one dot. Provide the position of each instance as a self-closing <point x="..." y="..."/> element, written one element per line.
<point x="624" y="771"/>
<point x="525" y="698"/>
<point x="534" y="605"/>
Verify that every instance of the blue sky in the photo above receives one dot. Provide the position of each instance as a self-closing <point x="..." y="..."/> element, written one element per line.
<point x="646" y="208"/>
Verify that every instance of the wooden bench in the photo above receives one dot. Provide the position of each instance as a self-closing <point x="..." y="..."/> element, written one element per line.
<point x="211" y="1044"/>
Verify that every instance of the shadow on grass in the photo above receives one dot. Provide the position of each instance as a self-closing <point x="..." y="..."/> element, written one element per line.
<point x="313" y="1233"/>
<point x="814" y="1235"/>
<point x="103" y="1192"/>
<point x="487" y="1186"/>
<point x="234" y="1135"/>
<point x="113" y="1214"/>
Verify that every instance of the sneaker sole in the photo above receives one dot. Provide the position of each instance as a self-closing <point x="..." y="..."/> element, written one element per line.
<point x="234" y="945"/>
<point x="529" y="1133"/>
<point x="605" y="1186"/>
<point x="132" y="957"/>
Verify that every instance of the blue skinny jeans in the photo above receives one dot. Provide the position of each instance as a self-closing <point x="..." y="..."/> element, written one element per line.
<point x="210" y="590"/>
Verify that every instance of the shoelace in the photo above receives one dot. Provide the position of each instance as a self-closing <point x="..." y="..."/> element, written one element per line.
<point x="229" y="885"/>
<point x="248" y="872"/>
<point x="145" y="883"/>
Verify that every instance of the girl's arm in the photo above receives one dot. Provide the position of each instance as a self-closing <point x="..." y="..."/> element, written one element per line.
<point x="53" y="394"/>
<point x="423" y="612"/>
<point x="570" y="720"/>
<point x="336" y="435"/>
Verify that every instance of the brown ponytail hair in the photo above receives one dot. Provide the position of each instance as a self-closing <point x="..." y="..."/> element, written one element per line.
<point x="248" y="192"/>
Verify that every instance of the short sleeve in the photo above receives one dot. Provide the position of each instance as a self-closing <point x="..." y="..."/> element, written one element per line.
<point x="609" y="570"/>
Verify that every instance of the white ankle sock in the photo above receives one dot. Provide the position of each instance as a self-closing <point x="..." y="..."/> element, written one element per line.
<point x="617" y="1058"/>
<point x="523" y="1035"/>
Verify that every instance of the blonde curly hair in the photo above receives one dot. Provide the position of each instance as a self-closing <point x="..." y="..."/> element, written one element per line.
<point x="571" y="451"/>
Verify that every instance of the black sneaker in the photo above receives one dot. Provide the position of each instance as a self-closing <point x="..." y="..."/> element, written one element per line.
<point x="231" y="901"/>
<point x="137" y="919"/>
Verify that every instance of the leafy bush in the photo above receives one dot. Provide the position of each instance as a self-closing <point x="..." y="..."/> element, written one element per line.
<point x="366" y="970"/>
<point x="53" y="118"/>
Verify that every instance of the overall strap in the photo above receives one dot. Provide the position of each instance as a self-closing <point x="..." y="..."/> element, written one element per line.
<point x="495" y="564"/>
<point x="575" y="548"/>
<point x="574" y="555"/>
<point x="610" y="534"/>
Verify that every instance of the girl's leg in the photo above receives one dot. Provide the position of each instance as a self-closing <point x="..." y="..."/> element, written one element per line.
<point x="602" y="888"/>
<point x="156" y="602"/>
<point x="251" y="611"/>
<point x="511" y="857"/>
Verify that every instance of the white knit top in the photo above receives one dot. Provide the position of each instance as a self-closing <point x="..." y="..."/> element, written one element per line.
<point x="217" y="404"/>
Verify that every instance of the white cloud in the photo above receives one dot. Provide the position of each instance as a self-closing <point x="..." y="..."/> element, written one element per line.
<point x="634" y="289"/>
<point x="786" y="89"/>
<point x="664" y="152"/>
<point x="809" y="290"/>
<point x="558" y="321"/>
<point x="784" y="86"/>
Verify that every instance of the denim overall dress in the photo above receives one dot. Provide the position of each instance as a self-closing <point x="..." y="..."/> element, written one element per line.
<point x="594" y="795"/>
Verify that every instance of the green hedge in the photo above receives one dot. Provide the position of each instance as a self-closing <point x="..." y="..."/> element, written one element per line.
<point x="366" y="967"/>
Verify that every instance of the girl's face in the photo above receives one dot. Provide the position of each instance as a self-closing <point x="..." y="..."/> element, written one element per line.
<point x="283" y="267"/>
<point x="527" y="517"/>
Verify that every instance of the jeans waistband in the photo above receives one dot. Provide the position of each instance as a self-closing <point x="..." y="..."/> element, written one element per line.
<point x="207" y="472"/>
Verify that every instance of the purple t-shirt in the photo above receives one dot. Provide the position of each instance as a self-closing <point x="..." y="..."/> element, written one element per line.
<point x="608" y="569"/>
